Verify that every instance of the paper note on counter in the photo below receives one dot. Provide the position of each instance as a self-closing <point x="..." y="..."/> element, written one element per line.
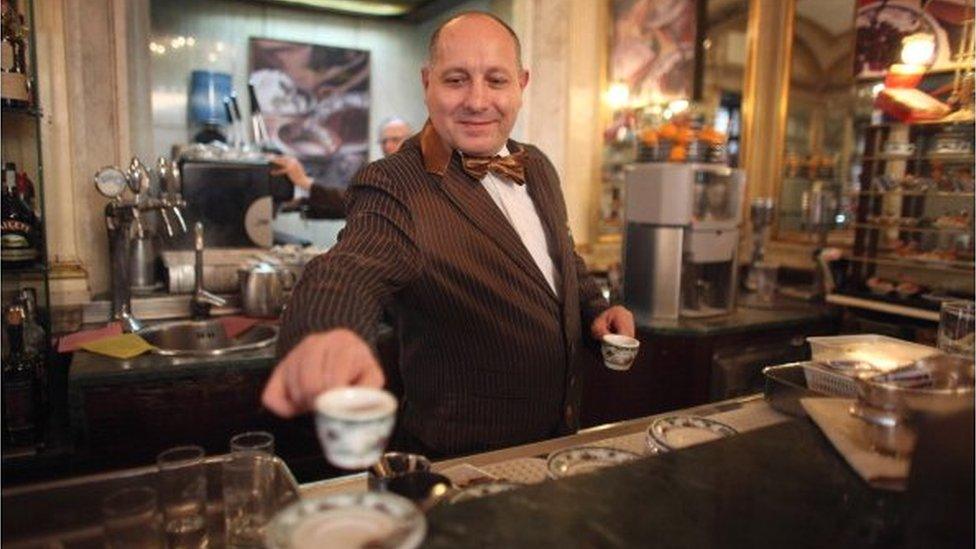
<point x="122" y="346"/>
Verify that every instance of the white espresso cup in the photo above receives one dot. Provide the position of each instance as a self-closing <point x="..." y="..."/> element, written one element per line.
<point x="619" y="351"/>
<point x="354" y="425"/>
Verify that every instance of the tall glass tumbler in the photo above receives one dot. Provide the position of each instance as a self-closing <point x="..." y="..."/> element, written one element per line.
<point x="957" y="327"/>
<point x="131" y="519"/>
<point x="259" y="441"/>
<point x="183" y="494"/>
<point x="248" y="477"/>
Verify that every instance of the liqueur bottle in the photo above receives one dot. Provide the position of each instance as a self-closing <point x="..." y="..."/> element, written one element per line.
<point x="18" y="225"/>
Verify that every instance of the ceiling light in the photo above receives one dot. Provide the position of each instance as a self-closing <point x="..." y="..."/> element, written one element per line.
<point x="617" y="95"/>
<point x="917" y="49"/>
<point x="361" y="7"/>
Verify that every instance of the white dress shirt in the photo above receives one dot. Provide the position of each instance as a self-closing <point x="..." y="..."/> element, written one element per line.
<point x="515" y="203"/>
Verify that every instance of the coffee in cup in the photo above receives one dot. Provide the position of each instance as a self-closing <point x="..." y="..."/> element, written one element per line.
<point x="354" y="425"/>
<point x="619" y="351"/>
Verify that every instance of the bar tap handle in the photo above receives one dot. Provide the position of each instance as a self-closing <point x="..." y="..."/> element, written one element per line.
<point x="179" y="216"/>
<point x="137" y="222"/>
<point x="166" y="222"/>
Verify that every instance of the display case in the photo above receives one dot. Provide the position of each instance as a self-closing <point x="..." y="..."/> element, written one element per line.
<point x="913" y="245"/>
<point x="24" y="280"/>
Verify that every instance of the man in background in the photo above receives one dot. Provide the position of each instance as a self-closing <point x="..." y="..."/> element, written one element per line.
<point x="328" y="202"/>
<point x="393" y="132"/>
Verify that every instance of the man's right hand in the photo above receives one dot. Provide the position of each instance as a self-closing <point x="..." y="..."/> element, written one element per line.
<point x="321" y="361"/>
<point x="290" y="167"/>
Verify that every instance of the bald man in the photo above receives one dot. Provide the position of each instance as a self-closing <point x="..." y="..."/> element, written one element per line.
<point x="462" y="234"/>
<point x="393" y="132"/>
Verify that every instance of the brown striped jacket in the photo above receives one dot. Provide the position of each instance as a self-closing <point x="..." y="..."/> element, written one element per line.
<point x="489" y="355"/>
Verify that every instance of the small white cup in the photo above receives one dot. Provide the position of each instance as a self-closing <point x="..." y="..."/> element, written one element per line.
<point x="619" y="351"/>
<point x="354" y="425"/>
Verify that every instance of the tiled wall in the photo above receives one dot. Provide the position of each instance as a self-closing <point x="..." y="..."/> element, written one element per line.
<point x="221" y="30"/>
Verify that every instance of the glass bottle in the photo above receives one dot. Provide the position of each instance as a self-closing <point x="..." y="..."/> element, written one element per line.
<point x="18" y="225"/>
<point x="18" y="384"/>
<point x="36" y="349"/>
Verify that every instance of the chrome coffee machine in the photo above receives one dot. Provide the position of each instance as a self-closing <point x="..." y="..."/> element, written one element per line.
<point x="682" y="239"/>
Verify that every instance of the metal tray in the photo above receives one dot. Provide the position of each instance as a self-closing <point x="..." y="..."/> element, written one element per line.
<point x="786" y="384"/>
<point x="67" y="513"/>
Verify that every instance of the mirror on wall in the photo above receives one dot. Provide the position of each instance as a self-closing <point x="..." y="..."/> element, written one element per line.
<point x="825" y="108"/>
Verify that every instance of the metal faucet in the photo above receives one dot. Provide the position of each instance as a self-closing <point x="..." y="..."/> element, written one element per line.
<point x="123" y="219"/>
<point x="202" y="300"/>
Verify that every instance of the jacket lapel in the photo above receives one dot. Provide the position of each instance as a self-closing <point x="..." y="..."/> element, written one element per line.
<point x="471" y="198"/>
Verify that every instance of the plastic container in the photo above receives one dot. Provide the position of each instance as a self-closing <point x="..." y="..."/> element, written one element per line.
<point x="839" y="361"/>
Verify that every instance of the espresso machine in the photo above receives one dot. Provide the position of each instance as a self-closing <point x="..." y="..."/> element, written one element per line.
<point x="681" y="239"/>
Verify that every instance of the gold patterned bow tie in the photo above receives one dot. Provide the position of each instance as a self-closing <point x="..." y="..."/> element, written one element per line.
<point x="511" y="166"/>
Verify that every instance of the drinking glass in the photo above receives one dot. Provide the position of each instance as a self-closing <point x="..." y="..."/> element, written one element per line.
<point x="258" y="441"/>
<point x="957" y="324"/>
<point x="766" y="281"/>
<point x="130" y="519"/>
<point x="248" y="477"/>
<point x="183" y="494"/>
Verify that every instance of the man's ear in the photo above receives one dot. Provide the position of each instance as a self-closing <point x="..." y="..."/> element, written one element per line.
<point x="523" y="79"/>
<point x="425" y="77"/>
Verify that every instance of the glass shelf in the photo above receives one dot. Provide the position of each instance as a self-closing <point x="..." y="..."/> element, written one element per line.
<point x="22" y="111"/>
<point x="33" y="267"/>
<point x="929" y="157"/>
<point x="899" y="192"/>
<point x="913" y="229"/>
<point x="910" y="263"/>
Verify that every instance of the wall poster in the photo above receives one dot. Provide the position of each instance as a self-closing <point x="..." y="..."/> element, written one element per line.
<point x="315" y="101"/>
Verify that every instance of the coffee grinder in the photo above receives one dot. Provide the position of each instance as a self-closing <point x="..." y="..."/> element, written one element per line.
<point x="681" y="239"/>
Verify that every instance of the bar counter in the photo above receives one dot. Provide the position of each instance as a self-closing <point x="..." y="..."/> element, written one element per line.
<point x="778" y="483"/>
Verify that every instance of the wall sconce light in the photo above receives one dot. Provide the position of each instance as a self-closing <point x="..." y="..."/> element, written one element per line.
<point x="917" y="49"/>
<point x="678" y="106"/>
<point x="617" y="95"/>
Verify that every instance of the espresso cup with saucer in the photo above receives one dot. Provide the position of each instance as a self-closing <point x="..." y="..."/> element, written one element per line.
<point x="354" y="425"/>
<point x="619" y="351"/>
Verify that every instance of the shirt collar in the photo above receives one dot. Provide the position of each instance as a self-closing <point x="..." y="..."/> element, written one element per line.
<point x="436" y="153"/>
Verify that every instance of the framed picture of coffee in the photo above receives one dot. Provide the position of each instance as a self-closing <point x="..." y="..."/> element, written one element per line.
<point x="315" y="100"/>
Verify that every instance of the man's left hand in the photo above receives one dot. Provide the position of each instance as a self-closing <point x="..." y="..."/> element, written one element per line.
<point x="615" y="320"/>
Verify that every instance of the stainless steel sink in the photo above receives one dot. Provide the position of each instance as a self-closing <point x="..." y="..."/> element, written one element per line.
<point x="205" y="338"/>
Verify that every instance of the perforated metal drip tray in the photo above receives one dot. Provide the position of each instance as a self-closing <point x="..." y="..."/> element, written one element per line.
<point x="67" y="513"/>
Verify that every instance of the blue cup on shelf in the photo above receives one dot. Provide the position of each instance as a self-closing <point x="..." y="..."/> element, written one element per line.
<point x="207" y="92"/>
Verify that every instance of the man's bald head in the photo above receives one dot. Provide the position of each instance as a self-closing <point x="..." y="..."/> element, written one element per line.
<point x="435" y="37"/>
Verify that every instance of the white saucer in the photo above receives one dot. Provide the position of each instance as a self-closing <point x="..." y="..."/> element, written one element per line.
<point x="480" y="490"/>
<point x="585" y="459"/>
<point x="673" y="432"/>
<point x="348" y="520"/>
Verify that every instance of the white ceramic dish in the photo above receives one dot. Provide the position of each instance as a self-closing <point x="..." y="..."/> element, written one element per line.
<point x="585" y="459"/>
<point x="483" y="489"/>
<point x="348" y="521"/>
<point x="674" y="432"/>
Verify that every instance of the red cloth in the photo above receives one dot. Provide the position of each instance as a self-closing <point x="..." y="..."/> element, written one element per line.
<point x="236" y="325"/>
<point x="72" y="342"/>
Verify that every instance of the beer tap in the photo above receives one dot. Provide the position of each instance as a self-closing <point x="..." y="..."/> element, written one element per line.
<point x="124" y="223"/>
